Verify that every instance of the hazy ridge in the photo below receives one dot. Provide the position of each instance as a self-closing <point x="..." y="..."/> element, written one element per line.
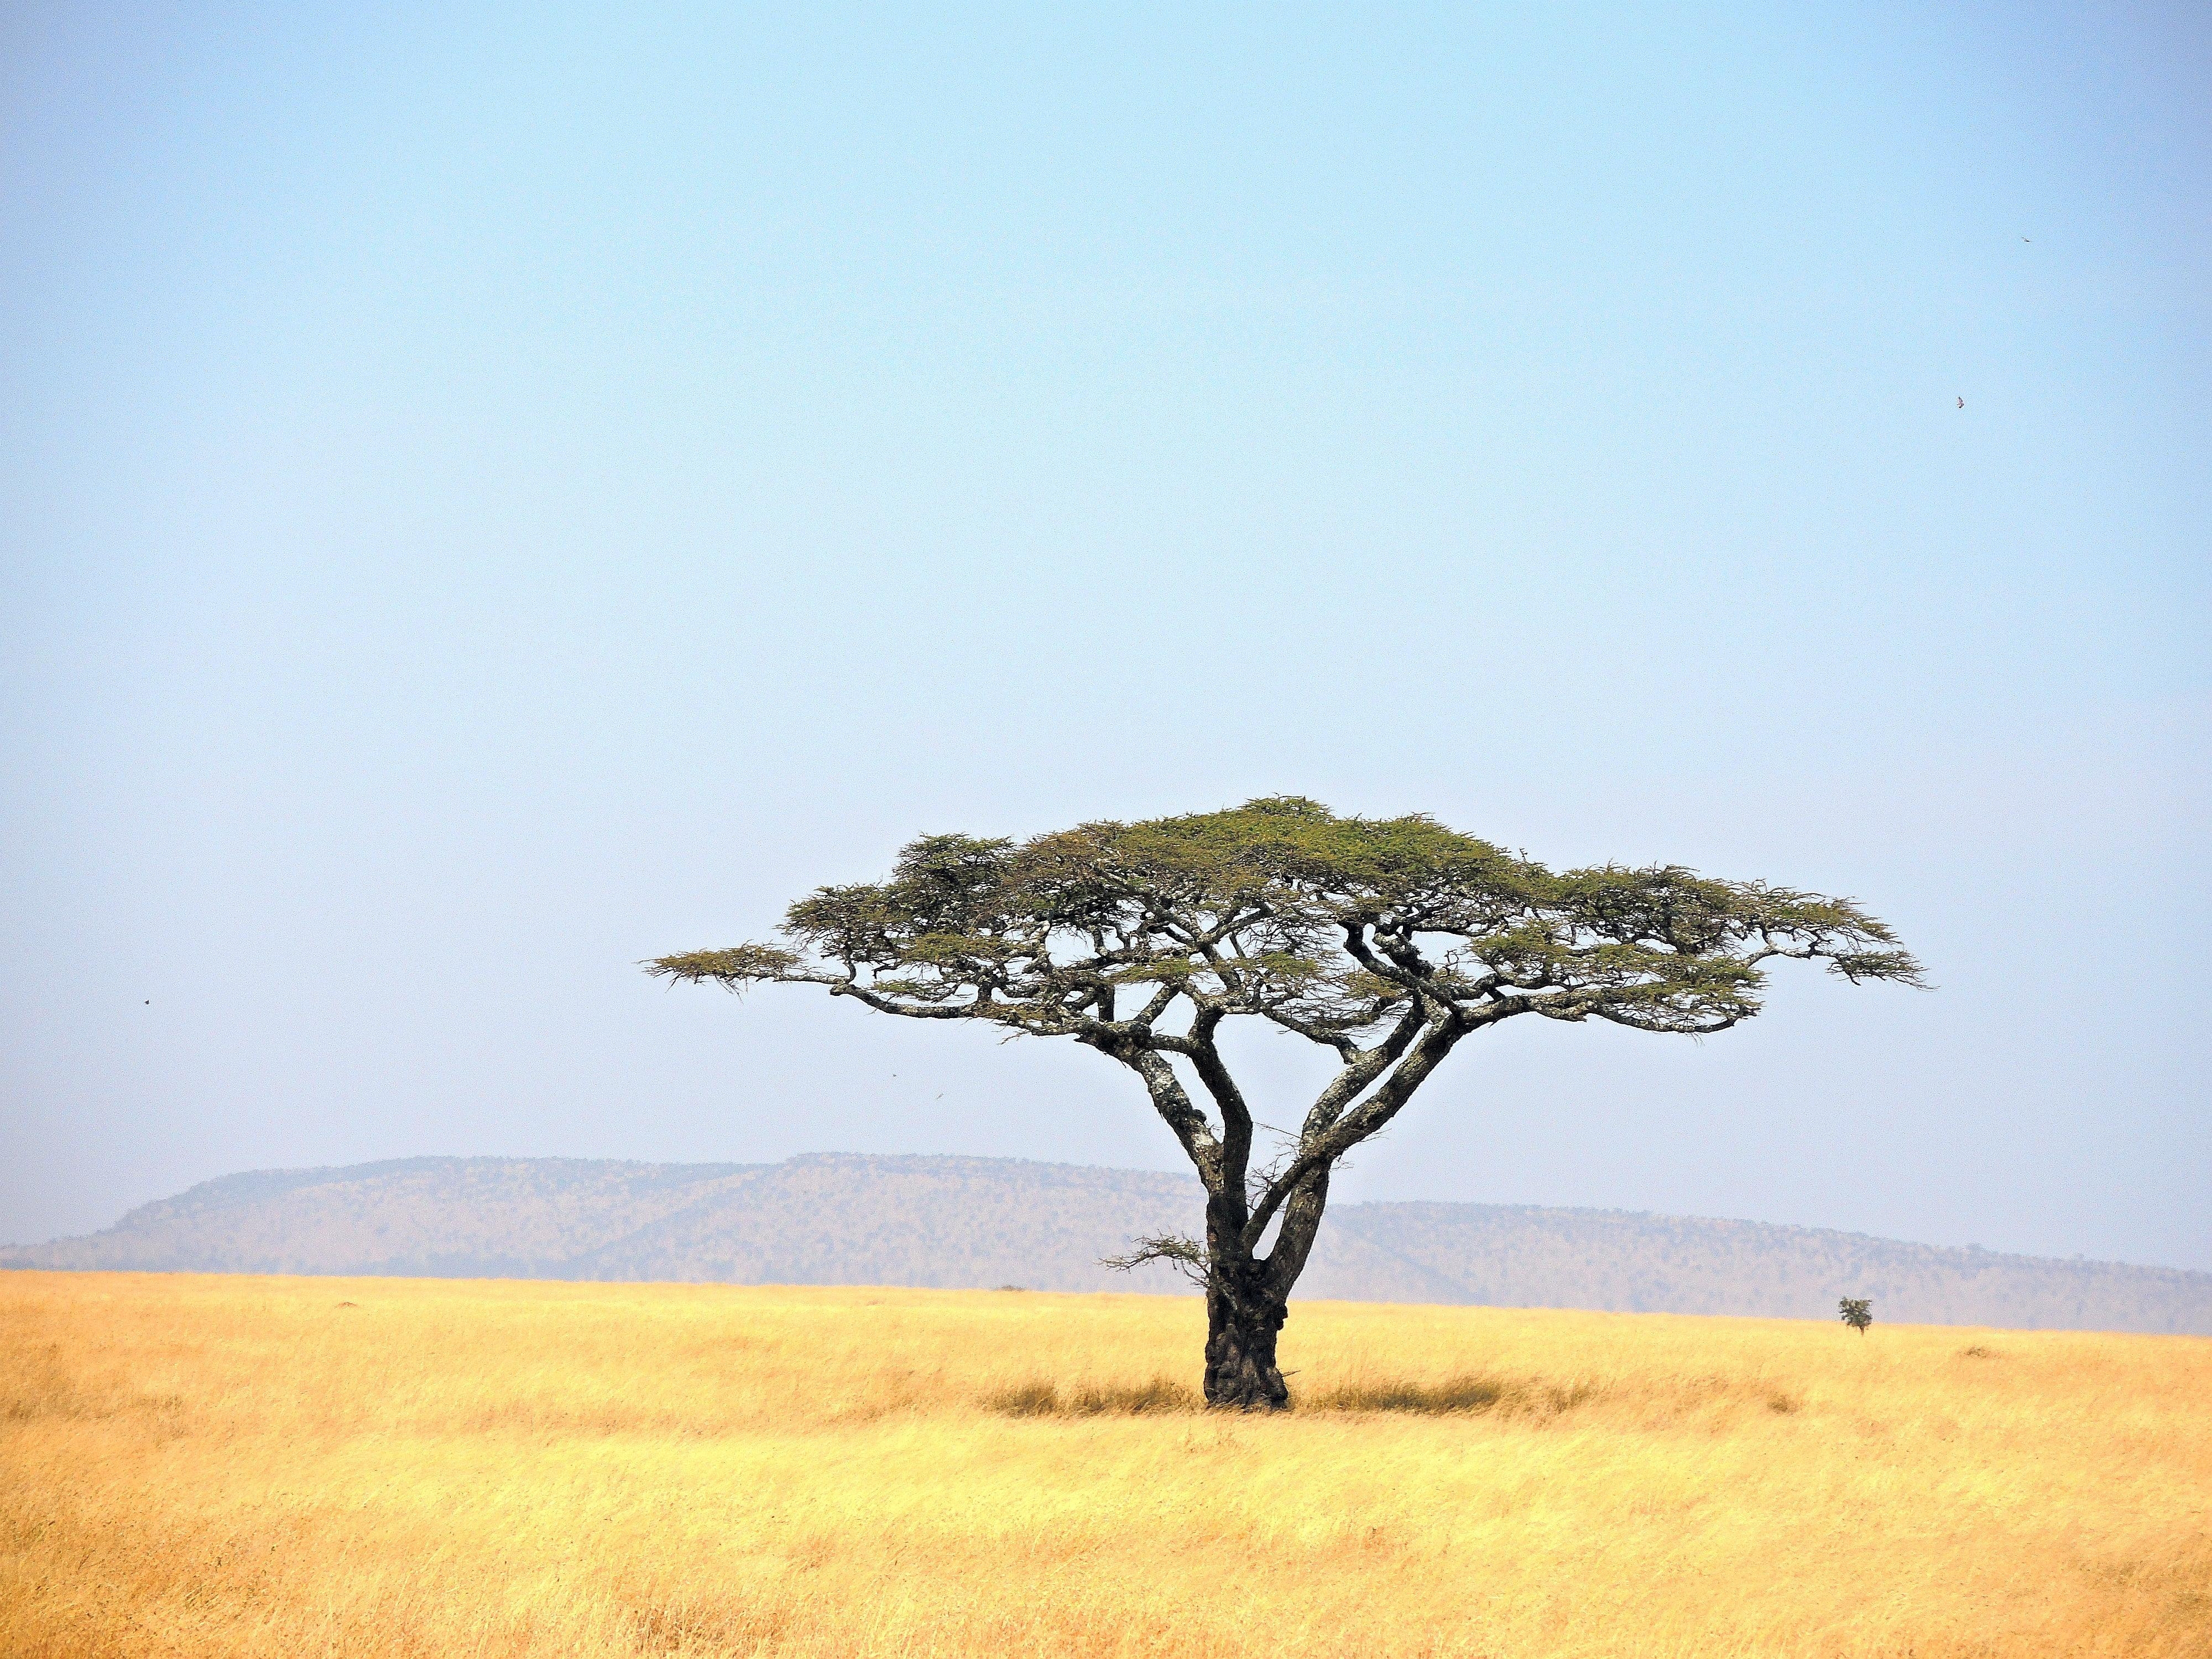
<point x="972" y="1222"/>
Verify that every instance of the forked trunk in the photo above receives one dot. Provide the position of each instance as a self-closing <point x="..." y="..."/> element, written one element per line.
<point x="1242" y="1322"/>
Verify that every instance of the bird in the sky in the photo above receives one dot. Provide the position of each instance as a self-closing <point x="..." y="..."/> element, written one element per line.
<point x="1962" y="403"/>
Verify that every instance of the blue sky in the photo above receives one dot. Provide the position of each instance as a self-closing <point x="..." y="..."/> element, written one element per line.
<point x="490" y="495"/>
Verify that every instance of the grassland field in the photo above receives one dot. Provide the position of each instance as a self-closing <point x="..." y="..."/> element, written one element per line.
<point x="229" y="1466"/>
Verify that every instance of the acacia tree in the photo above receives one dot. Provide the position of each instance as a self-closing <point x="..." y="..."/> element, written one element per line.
<point x="1385" y="942"/>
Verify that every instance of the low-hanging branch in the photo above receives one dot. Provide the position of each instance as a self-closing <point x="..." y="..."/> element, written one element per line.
<point x="1385" y="943"/>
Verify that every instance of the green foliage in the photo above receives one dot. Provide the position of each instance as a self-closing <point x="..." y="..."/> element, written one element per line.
<point x="1332" y="926"/>
<point x="737" y="967"/>
<point x="1856" y="1312"/>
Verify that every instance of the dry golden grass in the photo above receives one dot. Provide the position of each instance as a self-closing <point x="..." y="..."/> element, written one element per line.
<point x="267" y="1467"/>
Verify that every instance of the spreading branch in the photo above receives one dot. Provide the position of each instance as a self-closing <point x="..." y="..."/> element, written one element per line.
<point x="1186" y="1256"/>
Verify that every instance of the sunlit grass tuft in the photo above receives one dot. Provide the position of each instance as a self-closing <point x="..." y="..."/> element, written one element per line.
<point x="1042" y="1399"/>
<point x="1465" y="1393"/>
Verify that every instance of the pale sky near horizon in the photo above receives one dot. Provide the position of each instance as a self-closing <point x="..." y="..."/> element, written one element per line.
<point x="493" y="494"/>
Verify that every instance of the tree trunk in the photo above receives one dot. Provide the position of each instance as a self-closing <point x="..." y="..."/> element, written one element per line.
<point x="1242" y="1320"/>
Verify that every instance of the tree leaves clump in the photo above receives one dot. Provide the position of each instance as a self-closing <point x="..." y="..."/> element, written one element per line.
<point x="1330" y="926"/>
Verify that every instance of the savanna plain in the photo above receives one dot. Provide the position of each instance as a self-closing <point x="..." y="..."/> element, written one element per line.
<point x="216" y="1466"/>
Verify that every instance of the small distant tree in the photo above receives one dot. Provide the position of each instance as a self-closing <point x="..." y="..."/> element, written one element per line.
<point x="1856" y="1312"/>
<point x="1385" y="944"/>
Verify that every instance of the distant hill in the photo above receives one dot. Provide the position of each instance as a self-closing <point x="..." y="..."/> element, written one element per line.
<point x="981" y="1222"/>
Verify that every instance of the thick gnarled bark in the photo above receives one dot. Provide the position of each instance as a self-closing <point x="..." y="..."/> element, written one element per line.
<point x="1248" y="1295"/>
<point x="1243" y="1319"/>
